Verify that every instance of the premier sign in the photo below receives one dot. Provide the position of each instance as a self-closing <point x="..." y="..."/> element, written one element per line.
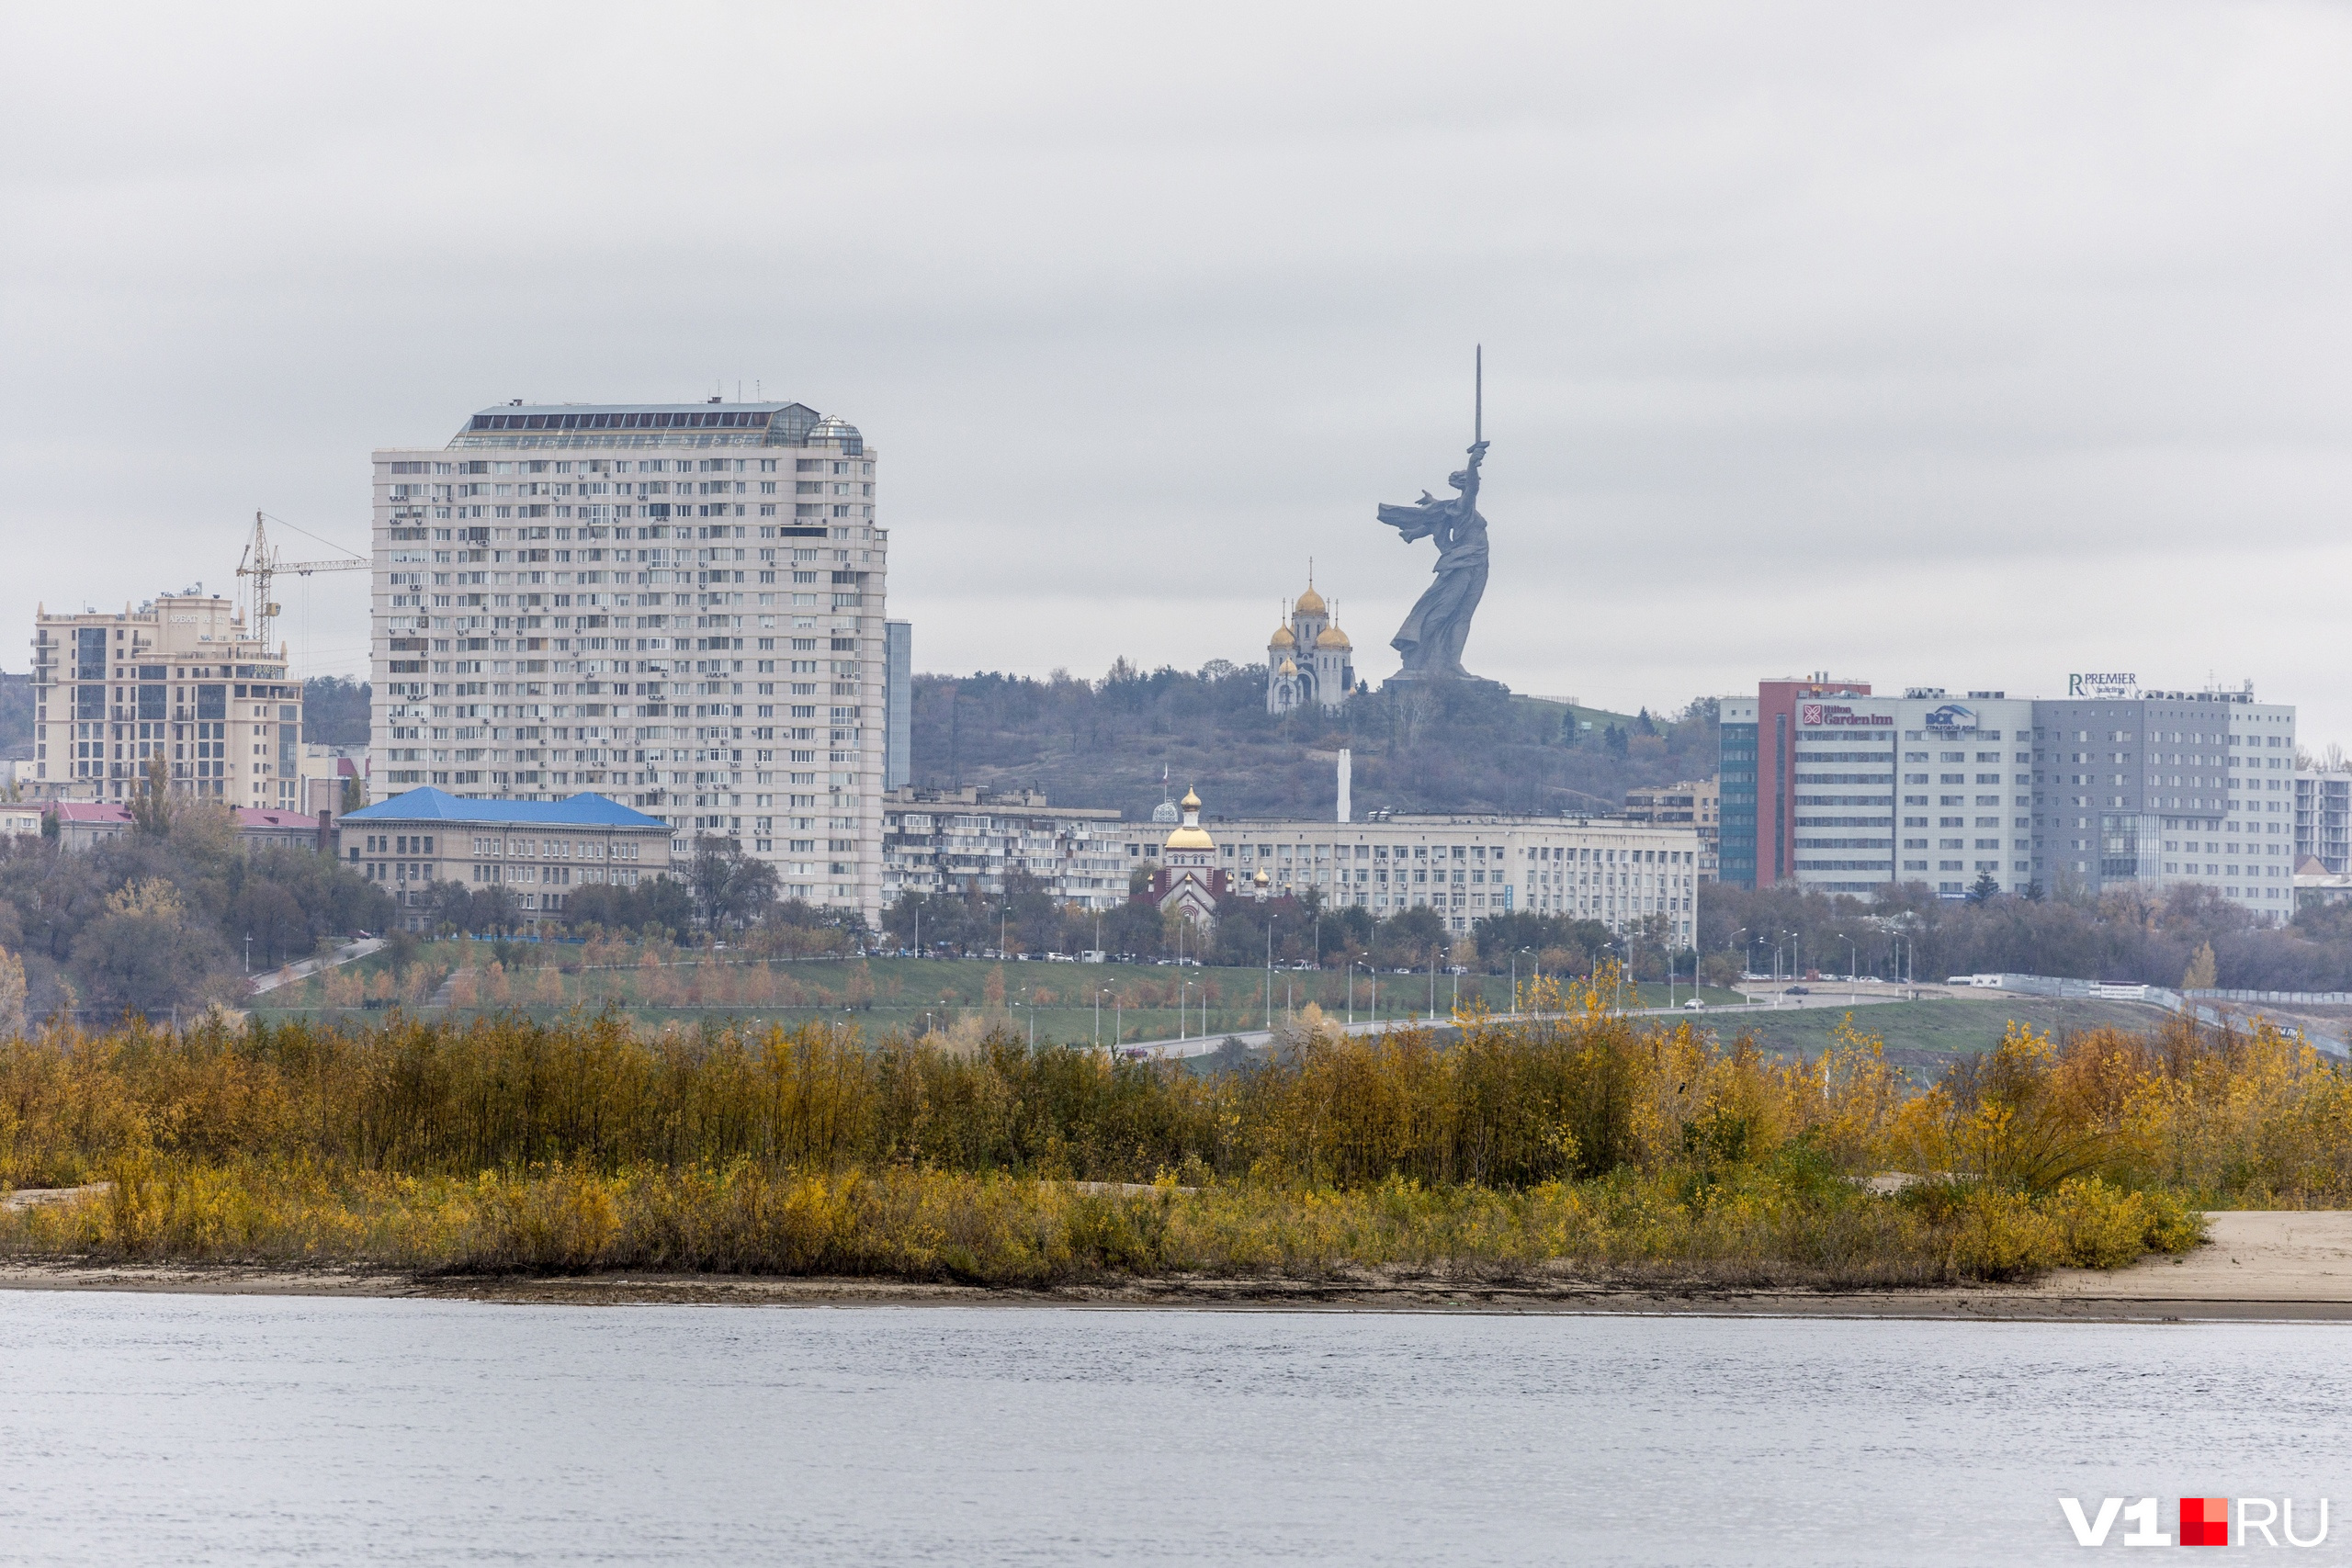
<point x="2107" y="686"/>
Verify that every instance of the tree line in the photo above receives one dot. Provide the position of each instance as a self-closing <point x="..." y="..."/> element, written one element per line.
<point x="1288" y="930"/>
<point x="2122" y="936"/>
<point x="1444" y="748"/>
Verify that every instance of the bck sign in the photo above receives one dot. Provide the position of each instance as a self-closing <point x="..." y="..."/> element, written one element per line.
<point x="2201" y="1521"/>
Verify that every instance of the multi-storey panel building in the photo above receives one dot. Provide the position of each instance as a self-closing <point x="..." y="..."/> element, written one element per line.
<point x="1695" y="802"/>
<point x="1608" y="870"/>
<point x="1736" y="778"/>
<point x="898" y="705"/>
<point x="2324" y="818"/>
<point x="678" y="606"/>
<point x="2156" y="788"/>
<point x="958" y="840"/>
<point x="1776" y="783"/>
<point x="175" y="679"/>
<point x="2109" y="786"/>
<point x="1922" y="787"/>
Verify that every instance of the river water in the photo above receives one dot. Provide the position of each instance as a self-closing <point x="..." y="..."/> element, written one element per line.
<point x="171" y="1429"/>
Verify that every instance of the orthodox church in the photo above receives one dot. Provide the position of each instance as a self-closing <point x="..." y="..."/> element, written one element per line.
<point x="1189" y="880"/>
<point x="1309" y="660"/>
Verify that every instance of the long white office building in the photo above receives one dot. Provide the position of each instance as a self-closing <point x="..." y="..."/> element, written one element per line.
<point x="1600" y="869"/>
<point x="676" y="606"/>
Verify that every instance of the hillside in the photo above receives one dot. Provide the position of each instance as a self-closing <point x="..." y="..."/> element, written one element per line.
<point x="1461" y="749"/>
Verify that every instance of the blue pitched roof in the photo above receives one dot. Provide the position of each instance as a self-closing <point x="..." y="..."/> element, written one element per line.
<point x="436" y="805"/>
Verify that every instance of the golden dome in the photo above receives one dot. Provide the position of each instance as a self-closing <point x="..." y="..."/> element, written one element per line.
<point x="1192" y="835"/>
<point x="1310" y="602"/>
<point x="1281" y="638"/>
<point x="1333" y="637"/>
<point x="1288" y="669"/>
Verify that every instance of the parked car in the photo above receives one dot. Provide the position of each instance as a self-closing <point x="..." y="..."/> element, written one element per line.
<point x="1796" y="991"/>
<point x="1695" y="1005"/>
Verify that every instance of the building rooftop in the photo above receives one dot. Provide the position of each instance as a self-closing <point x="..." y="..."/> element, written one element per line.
<point x="265" y="817"/>
<point x="115" y="811"/>
<point x="430" y="805"/>
<point x="712" y="423"/>
<point x="88" y="810"/>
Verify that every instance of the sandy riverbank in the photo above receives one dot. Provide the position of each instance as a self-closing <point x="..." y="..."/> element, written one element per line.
<point x="2261" y="1265"/>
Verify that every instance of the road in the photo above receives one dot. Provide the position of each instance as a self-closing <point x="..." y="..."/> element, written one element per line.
<point x="346" y="953"/>
<point x="1760" y="1000"/>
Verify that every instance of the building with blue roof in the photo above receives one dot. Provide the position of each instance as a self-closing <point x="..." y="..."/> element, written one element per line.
<point x="542" y="850"/>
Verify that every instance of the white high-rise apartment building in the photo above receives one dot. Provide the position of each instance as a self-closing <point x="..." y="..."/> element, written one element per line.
<point x="676" y="606"/>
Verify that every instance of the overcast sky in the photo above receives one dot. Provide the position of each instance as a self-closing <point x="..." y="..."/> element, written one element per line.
<point x="1962" y="346"/>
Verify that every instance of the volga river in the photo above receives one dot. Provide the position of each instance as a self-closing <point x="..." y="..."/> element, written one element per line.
<point x="168" y="1429"/>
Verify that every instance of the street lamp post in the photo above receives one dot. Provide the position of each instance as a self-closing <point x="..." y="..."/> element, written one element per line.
<point x="1270" y="972"/>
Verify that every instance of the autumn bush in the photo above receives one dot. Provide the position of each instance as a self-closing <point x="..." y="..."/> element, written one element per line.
<point x="1577" y="1141"/>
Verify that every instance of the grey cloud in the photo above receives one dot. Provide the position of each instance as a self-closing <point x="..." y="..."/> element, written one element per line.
<point x="1958" y="347"/>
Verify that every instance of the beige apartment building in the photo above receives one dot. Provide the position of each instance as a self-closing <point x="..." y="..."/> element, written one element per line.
<point x="175" y="678"/>
<point x="678" y="606"/>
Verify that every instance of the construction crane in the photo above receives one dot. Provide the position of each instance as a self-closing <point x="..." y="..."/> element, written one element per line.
<point x="262" y="563"/>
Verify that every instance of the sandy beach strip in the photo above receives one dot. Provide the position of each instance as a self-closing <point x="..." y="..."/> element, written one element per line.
<point x="2261" y="1266"/>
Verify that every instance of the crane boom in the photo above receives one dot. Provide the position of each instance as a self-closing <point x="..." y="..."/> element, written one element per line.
<point x="261" y="563"/>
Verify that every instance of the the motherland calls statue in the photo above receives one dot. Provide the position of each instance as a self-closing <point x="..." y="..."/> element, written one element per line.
<point x="1431" y="638"/>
